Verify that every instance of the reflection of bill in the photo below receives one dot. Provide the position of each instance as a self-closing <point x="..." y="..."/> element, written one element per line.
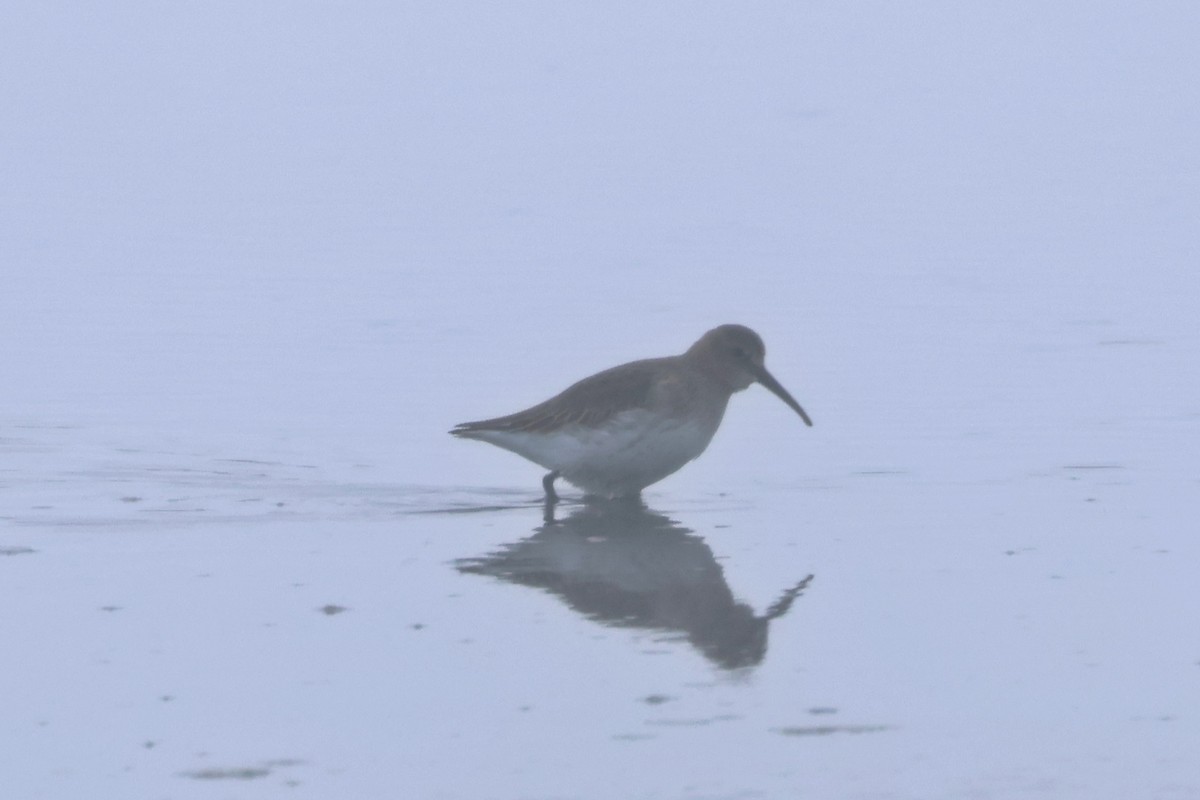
<point x="624" y="566"/>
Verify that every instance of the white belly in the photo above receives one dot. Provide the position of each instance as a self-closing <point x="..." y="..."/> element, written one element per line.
<point x="631" y="451"/>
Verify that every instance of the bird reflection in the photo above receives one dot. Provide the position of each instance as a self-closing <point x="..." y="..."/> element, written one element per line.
<point x="623" y="565"/>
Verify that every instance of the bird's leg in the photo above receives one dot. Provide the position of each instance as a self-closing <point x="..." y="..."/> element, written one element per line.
<point x="548" y="485"/>
<point x="548" y="507"/>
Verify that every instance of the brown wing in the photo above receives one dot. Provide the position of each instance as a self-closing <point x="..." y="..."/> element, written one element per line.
<point x="589" y="402"/>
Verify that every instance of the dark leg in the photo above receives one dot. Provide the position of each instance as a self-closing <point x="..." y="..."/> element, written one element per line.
<point x="548" y="485"/>
<point x="548" y="507"/>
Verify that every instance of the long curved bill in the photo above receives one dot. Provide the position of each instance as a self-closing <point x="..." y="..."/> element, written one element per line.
<point x="768" y="380"/>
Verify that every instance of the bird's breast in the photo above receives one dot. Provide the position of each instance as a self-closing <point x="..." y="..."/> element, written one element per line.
<point x="632" y="450"/>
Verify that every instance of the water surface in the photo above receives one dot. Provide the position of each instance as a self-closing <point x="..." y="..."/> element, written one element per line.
<point x="259" y="260"/>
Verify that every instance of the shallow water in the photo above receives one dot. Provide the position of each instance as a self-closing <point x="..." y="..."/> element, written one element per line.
<point x="262" y="623"/>
<point x="260" y="263"/>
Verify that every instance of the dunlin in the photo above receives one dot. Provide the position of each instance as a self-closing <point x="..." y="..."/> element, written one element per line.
<point x="622" y="429"/>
